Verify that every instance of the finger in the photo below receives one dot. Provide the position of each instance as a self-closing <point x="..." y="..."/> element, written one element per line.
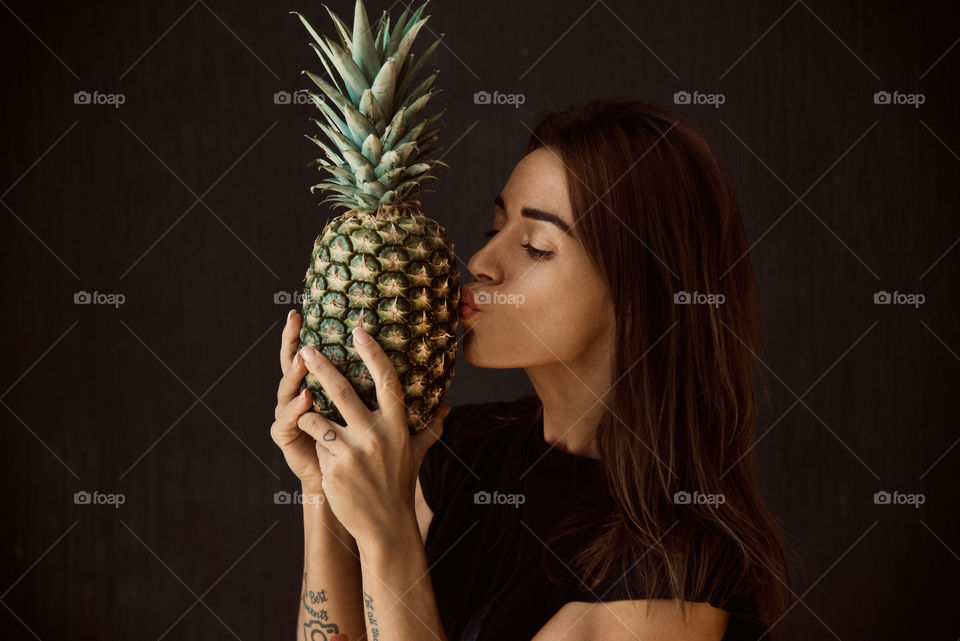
<point x="324" y="458"/>
<point x="326" y="433"/>
<point x="337" y="387"/>
<point x="384" y="374"/>
<point x="285" y="430"/>
<point x="290" y="339"/>
<point x="290" y="383"/>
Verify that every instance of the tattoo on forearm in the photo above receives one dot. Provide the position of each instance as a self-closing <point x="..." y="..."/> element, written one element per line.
<point x="374" y="631"/>
<point x="316" y="629"/>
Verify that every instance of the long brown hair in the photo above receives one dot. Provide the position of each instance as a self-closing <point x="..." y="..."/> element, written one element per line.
<point x="656" y="210"/>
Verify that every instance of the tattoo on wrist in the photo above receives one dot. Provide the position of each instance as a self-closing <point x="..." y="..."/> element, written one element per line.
<point x="317" y="628"/>
<point x="374" y="631"/>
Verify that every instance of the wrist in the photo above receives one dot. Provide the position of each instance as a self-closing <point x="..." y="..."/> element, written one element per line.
<point x="379" y="548"/>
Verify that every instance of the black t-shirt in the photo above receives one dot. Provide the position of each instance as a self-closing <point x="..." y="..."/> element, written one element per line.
<point x="496" y="489"/>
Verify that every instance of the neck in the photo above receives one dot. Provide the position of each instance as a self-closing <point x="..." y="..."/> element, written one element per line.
<point x="571" y="409"/>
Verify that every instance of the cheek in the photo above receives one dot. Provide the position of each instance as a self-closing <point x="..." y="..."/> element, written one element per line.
<point x="552" y="316"/>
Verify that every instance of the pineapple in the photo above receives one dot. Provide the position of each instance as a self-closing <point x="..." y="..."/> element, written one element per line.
<point x="382" y="263"/>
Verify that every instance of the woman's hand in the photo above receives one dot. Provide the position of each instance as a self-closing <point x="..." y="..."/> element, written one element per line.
<point x="370" y="465"/>
<point x="297" y="446"/>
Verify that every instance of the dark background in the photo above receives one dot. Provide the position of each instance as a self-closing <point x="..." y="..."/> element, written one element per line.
<point x="191" y="200"/>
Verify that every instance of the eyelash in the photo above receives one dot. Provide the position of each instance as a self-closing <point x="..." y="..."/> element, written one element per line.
<point x="536" y="254"/>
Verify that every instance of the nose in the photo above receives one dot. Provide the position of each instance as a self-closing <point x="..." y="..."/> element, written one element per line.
<point x="483" y="265"/>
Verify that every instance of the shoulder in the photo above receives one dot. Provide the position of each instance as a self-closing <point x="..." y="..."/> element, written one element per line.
<point x="628" y="620"/>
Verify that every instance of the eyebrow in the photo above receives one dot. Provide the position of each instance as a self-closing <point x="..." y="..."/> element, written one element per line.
<point x="536" y="214"/>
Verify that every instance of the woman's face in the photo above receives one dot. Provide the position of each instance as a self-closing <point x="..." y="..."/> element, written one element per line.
<point x="540" y="299"/>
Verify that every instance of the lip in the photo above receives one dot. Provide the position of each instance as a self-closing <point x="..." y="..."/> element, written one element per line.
<point x="468" y="306"/>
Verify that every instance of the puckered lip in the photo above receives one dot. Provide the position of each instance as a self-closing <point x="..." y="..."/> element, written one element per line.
<point x="467" y="298"/>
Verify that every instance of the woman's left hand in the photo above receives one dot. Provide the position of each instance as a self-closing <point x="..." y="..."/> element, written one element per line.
<point x="370" y="465"/>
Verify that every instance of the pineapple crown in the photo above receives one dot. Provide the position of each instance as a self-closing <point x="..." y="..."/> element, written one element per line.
<point x="377" y="155"/>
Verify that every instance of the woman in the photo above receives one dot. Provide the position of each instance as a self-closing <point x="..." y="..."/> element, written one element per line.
<point x="621" y="501"/>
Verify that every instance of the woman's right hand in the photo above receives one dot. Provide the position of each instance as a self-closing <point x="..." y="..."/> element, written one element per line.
<point x="299" y="449"/>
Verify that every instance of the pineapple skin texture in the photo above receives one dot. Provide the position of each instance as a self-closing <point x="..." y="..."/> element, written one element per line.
<point x="394" y="272"/>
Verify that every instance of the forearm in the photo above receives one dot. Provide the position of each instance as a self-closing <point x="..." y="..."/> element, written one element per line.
<point x="332" y="598"/>
<point x="398" y="596"/>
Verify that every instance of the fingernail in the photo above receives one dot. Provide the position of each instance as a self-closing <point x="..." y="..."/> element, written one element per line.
<point x="308" y="354"/>
<point x="289" y="314"/>
<point x="360" y="335"/>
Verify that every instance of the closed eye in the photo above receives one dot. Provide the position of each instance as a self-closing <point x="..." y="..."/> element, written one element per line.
<point x="536" y="254"/>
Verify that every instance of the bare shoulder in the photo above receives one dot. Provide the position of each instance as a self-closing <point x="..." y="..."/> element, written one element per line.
<point x="628" y="620"/>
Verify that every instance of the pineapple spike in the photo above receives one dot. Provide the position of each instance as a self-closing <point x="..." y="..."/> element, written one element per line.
<point x="329" y="114"/>
<point x="384" y="85"/>
<point x="313" y="34"/>
<point x="328" y="65"/>
<point x="383" y="32"/>
<point x="364" y="53"/>
<point x="404" y="27"/>
<point x="370" y="107"/>
<point x="417" y="106"/>
<point x="415" y="69"/>
<point x="359" y="127"/>
<point x="329" y="90"/>
<point x="421" y="88"/>
<point x="397" y="28"/>
<point x="404" y="47"/>
<point x="334" y="158"/>
<point x="348" y="69"/>
<point x="342" y="30"/>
